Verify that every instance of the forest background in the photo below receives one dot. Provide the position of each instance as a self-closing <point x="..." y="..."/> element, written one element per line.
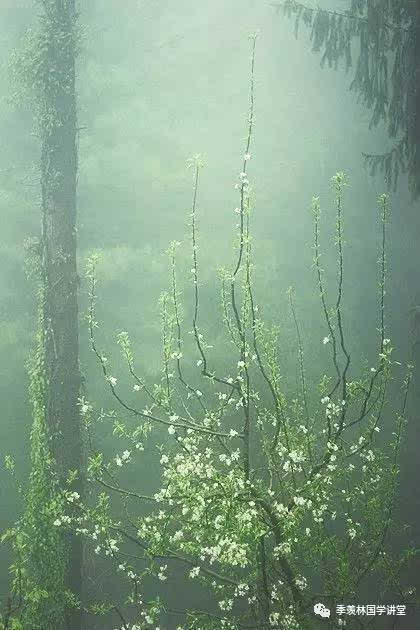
<point x="157" y="83"/>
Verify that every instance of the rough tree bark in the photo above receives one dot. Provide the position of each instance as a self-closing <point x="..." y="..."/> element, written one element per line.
<point x="60" y="312"/>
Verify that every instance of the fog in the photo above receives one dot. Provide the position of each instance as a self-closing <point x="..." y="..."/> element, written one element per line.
<point x="157" y="83"/>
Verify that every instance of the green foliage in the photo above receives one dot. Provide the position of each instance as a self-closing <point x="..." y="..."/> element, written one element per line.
<point x="12" y="624"/>
<point x="39" y="548"/>
<point x="9" y="463"/>
<point x="42" y="69"/>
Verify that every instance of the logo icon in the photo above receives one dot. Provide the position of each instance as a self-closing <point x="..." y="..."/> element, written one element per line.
<point x="321" y="610"/>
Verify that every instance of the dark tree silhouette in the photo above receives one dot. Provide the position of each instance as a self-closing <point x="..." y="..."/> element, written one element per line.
<point x="386" y="72"/>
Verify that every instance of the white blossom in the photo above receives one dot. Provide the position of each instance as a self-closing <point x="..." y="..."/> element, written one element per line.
<point x="194" y="572"/>
<point x="73" y="496"/>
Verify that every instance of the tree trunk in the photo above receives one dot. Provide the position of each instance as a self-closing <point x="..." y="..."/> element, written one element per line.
<point x="58" y="124"/>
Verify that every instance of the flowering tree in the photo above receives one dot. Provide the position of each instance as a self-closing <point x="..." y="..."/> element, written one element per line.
<point x="267" y="497"/>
